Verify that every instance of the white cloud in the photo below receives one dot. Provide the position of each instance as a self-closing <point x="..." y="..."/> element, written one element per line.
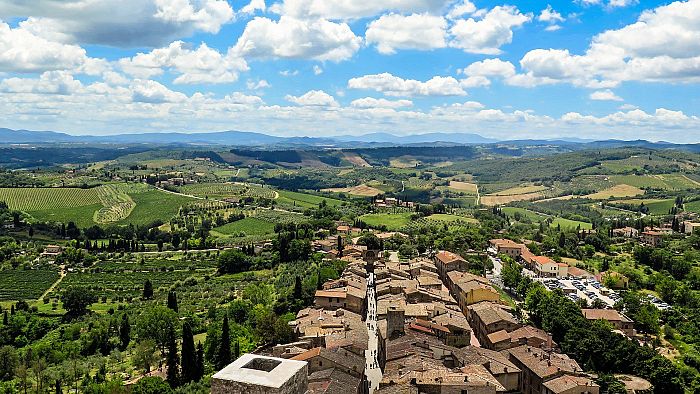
<point x="314" y="98"/>
<point x="289" y="73"/>
<point x="490" y="68"/>
<point x="392" y="85"/>
<point x="22" y="51"/>
<point x="203" y="65"/>
<point x="349" y="9"/>
<point x="317" y="69"/>
<point x="297" y="39"/>
<point x="152" y="92"/>
<point x="466" y="7"/>
<point x="371" y="102"/>
<point x="622" y="3"/>
<point x="121" y="23"/>
<point x="253" y="6"/>
<point x="549" y="15"/>
<point x="257" y="85"/>
<point x="416" y="31"/>
<point x="50" y="82"/>
<point x="663" y="45"/>
<point x="490" y="33"/>
<point x="605" y="95"/>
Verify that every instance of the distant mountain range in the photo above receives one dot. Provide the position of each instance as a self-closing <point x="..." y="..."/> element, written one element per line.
<point x="254" y="139"/>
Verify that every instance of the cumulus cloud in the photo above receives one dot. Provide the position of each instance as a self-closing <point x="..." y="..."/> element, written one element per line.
<point x="314" y="98"/>
<point x="416" y="31"/>
<point x="50" y="82"/>
<point x="152" y="92"/>
<point x="22" y="51"/>
<point x="662" y="45"/>
<point x="551" y="17"/>
<point x="201" y="65"/>
<point x="465" y="7"/>
<point x="490" y="68"/>
<point x="348" y="9"/>
<point x="371" y="102"/>
<point x="317" y="69"/>
<point x="257" y="85"/>
<point x="253" y="6"/>
<point x="605" y="95"/>
<point x="488" y="34"/>
<point x="121" y="23"/>
<point x="392" y="85"/>
<point x="297" y="39"/>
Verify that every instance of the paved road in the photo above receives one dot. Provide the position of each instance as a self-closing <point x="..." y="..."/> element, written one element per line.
<point x="372" y="370"/>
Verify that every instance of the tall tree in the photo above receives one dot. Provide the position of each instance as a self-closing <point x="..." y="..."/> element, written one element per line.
<point x="147" y="290"/>
<point x="199" y="370"/>
<point x="297" y="288"/>
<point x="76" y="300"/>
<point x="188" y="354"/>
<point x="124" y="332"/>
<point x="172" y="301"/>
<point x="173" y="364"/>
<point x="223" y="356"/>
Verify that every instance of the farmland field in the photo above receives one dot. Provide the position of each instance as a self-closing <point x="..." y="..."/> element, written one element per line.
<point x="125" y="284"/>
<point x="391" y="221"/>
<point x="519" y="190"/>
<point x="532" y="215"/>
<point x="224" y="190"/>
<point x="463" y="187"/>
<point x="39" y="199"/>
<point x="656" y="206"/>
<point x="305" y="200"/>
<point x="492" y="200"/>
<point x="360" y="190"/>
<point x="616" y="191"/>
<point x="152" y="205"/>
<point x="20" y="284"/>
<point x="448" y="218"/>
<point x="117" y="204"/>
<point x="663" y="181"/>
<point x="693" y="206"/>
<point x="570" y="224"/>
<point x="249" y="226"/>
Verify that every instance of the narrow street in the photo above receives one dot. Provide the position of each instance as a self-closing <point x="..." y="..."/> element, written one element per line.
<point x="372" y="370"/>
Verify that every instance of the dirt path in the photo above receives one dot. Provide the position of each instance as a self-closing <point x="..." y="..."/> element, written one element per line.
<point x="56" y="283"/>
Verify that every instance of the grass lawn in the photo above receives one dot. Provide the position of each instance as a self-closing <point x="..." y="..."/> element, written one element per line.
<point x="393" y="221"/>
<point x="249" y="226"/>
<point x="571" y="224"/>
<point x="656" y="206"/>
<point x="444" y="217"/>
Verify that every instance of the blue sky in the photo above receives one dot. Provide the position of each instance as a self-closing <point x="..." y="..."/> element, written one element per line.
<point x="520" y="69"/>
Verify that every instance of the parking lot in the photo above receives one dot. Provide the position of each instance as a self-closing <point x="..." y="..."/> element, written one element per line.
<point x="586" y="289"/>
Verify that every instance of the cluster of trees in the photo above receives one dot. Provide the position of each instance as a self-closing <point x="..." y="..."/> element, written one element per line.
<point x="596" y="347"/>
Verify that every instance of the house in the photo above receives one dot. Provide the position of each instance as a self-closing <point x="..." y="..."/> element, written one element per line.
<point x="540" y="366"/>
<point x="526" y="335"/>
<point x="447" y="261"/>
<point x="652" y="238"/>
<point x="321" y="358"/>
<point x="486" y="318"/>
<point x="626" y="232"/>
<point x="349" y="297"/>
<point x="690" y="227"/>
<point x="546" y="267"/>
<point x="507" y="247"/>
<point x="635" y="384"/>
<point x="8" y="225"/>
<point x="568" y="384"/>
<point x="468" y="289"/>
<point x="621" y="322"/>
<point x="576" y="272"/>
<point x="52" y="250"/>
<point x="335" y="381"/>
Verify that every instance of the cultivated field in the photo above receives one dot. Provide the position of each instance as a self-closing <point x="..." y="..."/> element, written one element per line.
<point x="491" y="200"/>
<point x="116" y="204"/>
<point x="616" y="191"/>
<point x="225" y="190"/>
<point x="247" y="226"/>
<point x="304" y="200"/>
<point x="463" y="187"/>
<point x="37" y="199"/>
<point x="522" y="212"/>
<point x="392" y="221"/>
<point x="18" y="284"/>
<point x="360" y="190"/>
<point x="518" y="190"/>
<point x="570" y="224"/>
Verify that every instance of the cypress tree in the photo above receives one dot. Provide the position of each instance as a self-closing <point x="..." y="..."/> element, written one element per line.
<point x="199" y="367"/>
<point x="147" y="290"/>
<point x="5" y="319"/>
<point x="297" y="288"/>
<point x="124" y="332"/>
<point x="172" y="301"/>
<point x="223" y="356"/>
<point x="237" y="349"/>
<point x="173" y="364"/>
<point x="189" y="356"/>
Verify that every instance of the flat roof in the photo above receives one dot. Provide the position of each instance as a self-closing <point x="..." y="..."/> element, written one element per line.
<point x="239" y="371"/>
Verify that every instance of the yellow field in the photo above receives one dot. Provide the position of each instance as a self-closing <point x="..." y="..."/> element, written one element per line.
<point x="519" y="190"/>
<point x="463" y="186"/>
<point x="360" y="190"/>
<point x="403" y="162"/>
<point x="491" y="200"/>
<point x="621" y="190"/>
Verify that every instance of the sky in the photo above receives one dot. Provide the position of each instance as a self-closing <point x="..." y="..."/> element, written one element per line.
<point x="592" y="69"/>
